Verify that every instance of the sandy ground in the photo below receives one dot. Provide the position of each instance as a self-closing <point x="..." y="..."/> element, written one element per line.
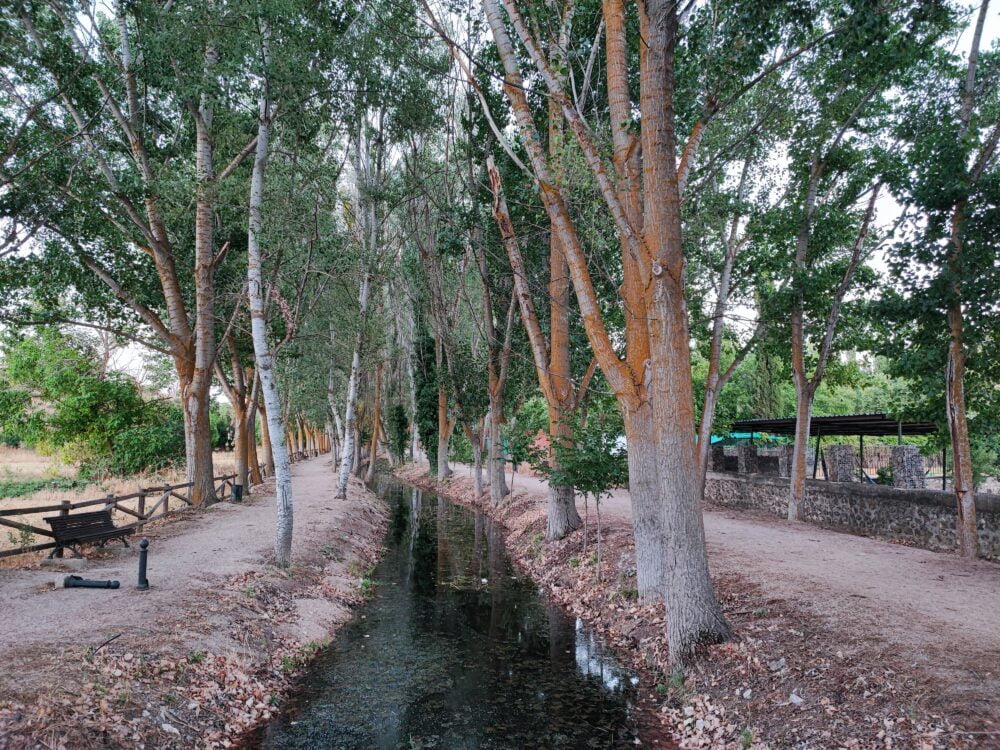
<point x="213" y="594"/>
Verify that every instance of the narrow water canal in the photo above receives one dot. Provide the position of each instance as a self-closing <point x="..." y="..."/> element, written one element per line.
<point x="457" y="650"/>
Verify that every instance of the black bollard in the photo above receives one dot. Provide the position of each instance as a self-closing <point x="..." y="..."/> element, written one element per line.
<point x="237" y="493"/>
<point x="143" y="554"/>
<point x="76" y="582"/>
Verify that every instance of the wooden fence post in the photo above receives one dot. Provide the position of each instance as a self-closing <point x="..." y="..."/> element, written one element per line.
<point x="141" y="504"/>
<point x="64" y="511"/>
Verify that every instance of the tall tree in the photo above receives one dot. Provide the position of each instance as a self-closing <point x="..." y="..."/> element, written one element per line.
<point x="945" y="314"/>
<point x="112" y="193"/>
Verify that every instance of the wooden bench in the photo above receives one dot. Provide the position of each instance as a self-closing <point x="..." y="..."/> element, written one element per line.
<point x="85" y="528"/>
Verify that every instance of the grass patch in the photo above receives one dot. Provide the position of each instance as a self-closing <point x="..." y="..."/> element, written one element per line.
<point x="20" y="487"/>
<point x="302" y="657"/>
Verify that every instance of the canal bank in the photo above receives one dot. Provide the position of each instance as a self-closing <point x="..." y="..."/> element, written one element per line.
<point x="789" y="678"/>
<point x="458" y="649"/>
<point x="211" y="649"/>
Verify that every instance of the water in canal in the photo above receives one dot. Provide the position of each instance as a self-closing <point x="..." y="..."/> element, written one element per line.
<point x="457" y="650"/>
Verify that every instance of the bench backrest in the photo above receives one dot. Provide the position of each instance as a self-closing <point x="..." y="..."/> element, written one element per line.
<point x="80" y="524"/>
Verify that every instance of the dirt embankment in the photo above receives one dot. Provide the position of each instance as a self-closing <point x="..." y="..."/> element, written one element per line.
<point x="790" y="678"/>
<point x="209" y="651"/>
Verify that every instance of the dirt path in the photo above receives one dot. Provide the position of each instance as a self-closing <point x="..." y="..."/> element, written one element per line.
<point x="209" y="648"/>
<point x="912" y="596"/>
<point x="186" y="557"/>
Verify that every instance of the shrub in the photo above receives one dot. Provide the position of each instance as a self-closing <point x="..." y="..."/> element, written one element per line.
<point x="148" y="447"/>
<point x="145" y="447"/>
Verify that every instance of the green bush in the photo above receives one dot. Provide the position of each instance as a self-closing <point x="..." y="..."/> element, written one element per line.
<point x="146" y="447"/>
<point x="399" y="425"/>
<point x="459" y="447"/>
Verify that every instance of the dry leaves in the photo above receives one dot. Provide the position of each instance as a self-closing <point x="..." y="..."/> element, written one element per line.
<point x="150" y="690"/>
<point x="787" y="680"/>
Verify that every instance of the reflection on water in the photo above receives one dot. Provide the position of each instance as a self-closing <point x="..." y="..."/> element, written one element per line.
<point x="457" y="650"/>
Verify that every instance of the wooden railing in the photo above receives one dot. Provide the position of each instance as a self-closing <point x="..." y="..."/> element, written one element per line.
<point x="161" y="507"/>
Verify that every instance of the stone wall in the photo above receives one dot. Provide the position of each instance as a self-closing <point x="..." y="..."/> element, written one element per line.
<point x="925" y="518"/>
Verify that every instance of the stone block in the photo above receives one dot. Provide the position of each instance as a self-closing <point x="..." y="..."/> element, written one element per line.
<point x="718" y="457"/>
<point x="841" y="462"/>
<point x="785" y="460"/>
<point x="908" y="468"/>
<point x="746" y="454"/>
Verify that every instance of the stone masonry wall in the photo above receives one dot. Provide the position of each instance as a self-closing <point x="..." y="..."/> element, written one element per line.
<point x="925" y="518"/>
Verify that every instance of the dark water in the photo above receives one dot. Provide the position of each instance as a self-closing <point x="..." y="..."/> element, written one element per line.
<point x="457" y="650"/>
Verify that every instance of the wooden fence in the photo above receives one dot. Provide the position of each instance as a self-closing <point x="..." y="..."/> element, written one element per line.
<point x="141" y="510"/>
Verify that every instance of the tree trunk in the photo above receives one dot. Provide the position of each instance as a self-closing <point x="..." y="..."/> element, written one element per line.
<point x="647" y="510"/>
<point x="198" y="431"/>
<point x="797" y="484"/>
<point x="197" y="396"/>
<point x="265" y="440"/>
<point x="338" y="437"/>
<point x="444" y="426"/>
<point x="359" y="450"/>
<point x="693" y="612"/>
<point x="376" y="423"/>
<point x="240" y="445"/>
<point x="563" y="516"/>
<point x="475" y="440"/>
<point x="562" y="513"/>
<point x="253" y="460"/>
<point x="661" y="394"/>
<point x="495" y="460"/>
<point x="262" y="350"/>
<point x="958" y="428"/>
<point x="350" y="416"/>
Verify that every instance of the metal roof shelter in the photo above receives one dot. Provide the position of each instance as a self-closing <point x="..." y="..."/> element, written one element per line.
<point x="842" y="424"/>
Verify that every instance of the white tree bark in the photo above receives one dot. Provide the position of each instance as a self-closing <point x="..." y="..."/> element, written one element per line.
<point x="262" y="350"/>
<point x="350" y="416"/>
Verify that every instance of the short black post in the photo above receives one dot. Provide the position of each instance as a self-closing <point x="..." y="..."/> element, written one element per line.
<point x="237" y="493"/>
<point x="143" y="554"/>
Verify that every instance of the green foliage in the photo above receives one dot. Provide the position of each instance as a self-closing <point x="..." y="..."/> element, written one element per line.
<point x="425" y="375"/>
<point x="223" y="434"/>
<point x="399" y="425"/>
<point x="931" y="274"/>
<point x="459" y="448"/>
<point x="596" y="461"/>
<point x="149" y="447"/>
<point x="23" y="537"/>
<point x="54" y="397"/>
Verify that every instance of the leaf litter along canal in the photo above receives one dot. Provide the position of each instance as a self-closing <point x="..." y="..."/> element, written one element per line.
<point x="456" y="649"/>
